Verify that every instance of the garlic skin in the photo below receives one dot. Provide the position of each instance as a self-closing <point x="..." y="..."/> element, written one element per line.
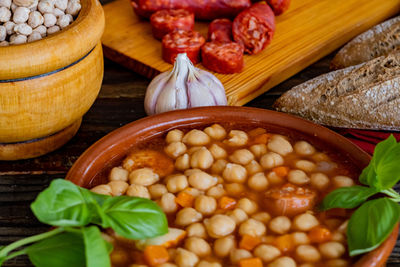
<point x="184" y="87"/>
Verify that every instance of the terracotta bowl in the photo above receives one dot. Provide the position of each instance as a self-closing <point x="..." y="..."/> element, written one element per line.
<point x="89" y="170"/>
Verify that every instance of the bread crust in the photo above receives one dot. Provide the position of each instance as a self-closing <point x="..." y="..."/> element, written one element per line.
<point x="365" y="96"/>
<point x="378" y="41"/>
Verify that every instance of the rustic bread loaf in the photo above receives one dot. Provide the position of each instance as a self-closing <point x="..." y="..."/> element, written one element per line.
<point x="380" y="40"/>
<point x="365" y="96"/>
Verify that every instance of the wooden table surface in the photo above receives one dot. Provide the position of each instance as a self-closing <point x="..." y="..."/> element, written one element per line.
<point x="120" y="102"/>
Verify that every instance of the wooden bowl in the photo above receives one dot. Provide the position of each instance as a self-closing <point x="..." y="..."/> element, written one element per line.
<point x="46" y="86"/>
<point x="109" y="151"/>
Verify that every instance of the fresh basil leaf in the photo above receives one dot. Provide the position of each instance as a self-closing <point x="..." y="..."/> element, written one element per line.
<point x="371" y="224"/>
<point x="64" y="204"/>
<point x="347" y="197"/>
<point x="134" y="218"/>
<point x="64" y="250"/>
<point x="95" y="247"/>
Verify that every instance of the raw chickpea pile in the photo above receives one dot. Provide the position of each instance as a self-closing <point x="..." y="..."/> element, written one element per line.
<point x="234" y="198"/>
<point x="24" y="21"/>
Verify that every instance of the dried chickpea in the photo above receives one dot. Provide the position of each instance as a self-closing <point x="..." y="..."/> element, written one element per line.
<point x="271" y="160"/>
<point x="319" y="181"/>
<point x="58" y="13"/>
<point x="18" y="39"/>
<point x="197" y="230"/>
<point x="174" y="136"/>
<point x="342" y="181"/>
<point x="168" y="204"/>
<point x="307" y="253"/>
<point x="177" y="183"/>
<point x="247" y="205"/>
<point x="42" y="30"/>
<point x="266" y="253"/>
<point x="253" y="167"/>
<point x="258" y="182"/>
<point x="305" y="222"/>
<point x="157" y="190"/>
<point x="182" y="162"/>
<point x="175" y="149"/>
<point x="201" y="159"/>
<point x="22" y="28"/>
<point x="238" y="254"/>
<point x="237" y="138"/>
<point x="5" y="14"/>
<point x="202" y="180"/>
<point x="258" y="150"/>
<point x="280" y="145"/>
<point x="103" y="189"/>
<point x="186" y="258"/>
<point x="304" y="148"/>
<point x="118" y="188"/>
<point x="35" y="19"/>
<point x="5" y="3"/>
<point x="219" y="166"/>
<point x="305" y="165"/>
<point x="262" y="216"/>
<point x="138" y="191"/>
<point x="34" y="36"/>
<point x="4" y="43"/>
<point x="219" y="225"/>
<point x="216" y="132"/>
<point x="61" y="4"/>
<point x="283" y="262"/>
<point x="187" y="216"/>
<point x="218" y="152"/>
<point x="49" y="20"/>
<point x="280" y="224"/>
<point x="9" y="25"/>
<point x="234" y="173"/>
<point x="53" y="29"/>
<point x="143" y="176"/>
<point x="198" y="246"/>
<point x="252" y="227"/>
<point x="241" y="156"/>
<point x="332" y="250"/>
<point x="196" y="138"/>
<point x="73" y="8"/>
<point x="223" y="246"/>
<point x="238" y="215"/>
<point x="234" y="189"/>
<point x="3" y="33"/>
<point x="118" y="174"/>
<point x="298" y="177"/>
<point x="300" y="238"/>
<point x="216" y="191"/>
<point x="209" y="264"/>
<point x="205" y="205"/>
<point x="21" y="15"/>
<point x="46" y="6"/>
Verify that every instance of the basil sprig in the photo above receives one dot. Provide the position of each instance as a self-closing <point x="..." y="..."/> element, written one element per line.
<point x="77" y="213"/>
<point x="375" y="219"/>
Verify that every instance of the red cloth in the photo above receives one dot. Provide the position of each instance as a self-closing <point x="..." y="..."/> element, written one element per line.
<point x="365" y="139"/>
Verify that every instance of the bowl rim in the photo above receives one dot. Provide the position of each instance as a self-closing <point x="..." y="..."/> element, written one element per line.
<point x="152" y="125"/>
<point x="67" y="46"/>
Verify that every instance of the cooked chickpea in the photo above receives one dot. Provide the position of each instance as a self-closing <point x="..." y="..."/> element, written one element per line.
<point x="216" y="191"/>
<point x="157" y="190"/>
<point x="273" y="178"/>
<point x="234" y="189"/>
<point x="209" y="264"/>
<point x="242" y="156"/>
<point x="252" y="227"/>
<point x="238" y="215"/>
<point x="253" y="167"/>
<point x="338" y="237"/>
<point x="237" y="138"/>
<point x="167" y="264"/>
<point x="320" y="157"/>
<point x="262" y="216"/>
<point x="118" y="174"/>
<point x="234" y="173"/>
<point x="319" y="181"/>
<point x="238" y="254"/>
<point x="103" y="189"/>
<point x="304" y="148"/>
<point x="258" y="150"/>
<point x="306" y="265"/>
<point x="187" y="216"/>
<point x="168" y="204"/>
<point x="267" y="253"/>
<point x="194" y="149"/>
<point x="219" y="225"/>
<point x="193" y="191"/>
<point x="280" y="225"/>
<point x="223" y="246"/>
<point x="307" y="253"/>
<point x="216" y="132"/>
<point x="332" y="250"/>
<point x="300" y="238"/>
<point x="280" y="145"/>
<point x="201" y="159"/>
<point x="283" y="262"/>
<point x="248" y="205"/>
<point x="182" y="162"/>
<point x="175" y="149"/>
<point x="205" y="205"/>
<point x="298" y="177"/>
<point x="198" y="246"/>
<point x="271" y="160"/>
<point x="135" y="190"/>
<point x="197" y="230"/>
<point x="337" y="263"/>
<point x="219" y="166"/>
<point x="143" y="176"/>
<point x="196" y="138"/>
<point x="258" y="182"/>
<point x="118" y="188"/>
<point x="202" y="180"/>
<point x="177" y="183"/>
<point x="218" y="152"/>
<point x="174" y="136"/>
<point x="342" y="181"/>
<point x="305" y="165"/>
<point x="305" y="222"/>
<point x="343" y="227"/>
<point x="186" y="258"/>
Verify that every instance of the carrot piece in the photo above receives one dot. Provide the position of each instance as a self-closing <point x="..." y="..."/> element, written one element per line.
<point x="256" y="131"/>
<point x="281" y="171"/>
<point x="261" y="139"/>
<point x="184" y="200"/>
<point x="249" y="242"/>
<point x="250" y="262"/>
<point x="155" y="255"/>
<point x="227" y="203"/>
<point x="284" y="243"/>
<point x="319" y="234"/>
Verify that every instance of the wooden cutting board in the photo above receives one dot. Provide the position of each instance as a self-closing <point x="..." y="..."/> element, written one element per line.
<point x="308" y="31"/>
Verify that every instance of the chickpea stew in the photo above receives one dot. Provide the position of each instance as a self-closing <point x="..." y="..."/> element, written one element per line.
<point x="234" y="197"/>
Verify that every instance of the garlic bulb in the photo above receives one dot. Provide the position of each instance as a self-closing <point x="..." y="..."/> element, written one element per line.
<point x="184" y="87"/>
